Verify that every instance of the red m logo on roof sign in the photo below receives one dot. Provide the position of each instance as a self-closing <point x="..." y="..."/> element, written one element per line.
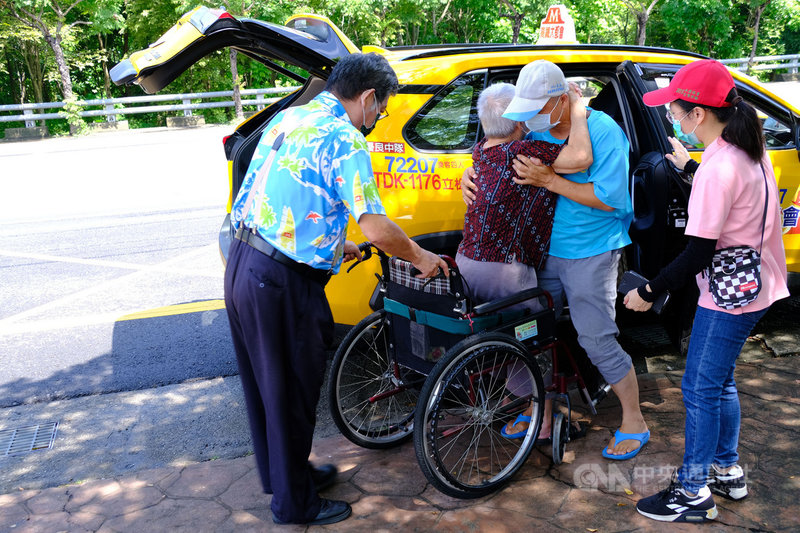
<point x="557" y="27"/>
<point x="554" y="15"/>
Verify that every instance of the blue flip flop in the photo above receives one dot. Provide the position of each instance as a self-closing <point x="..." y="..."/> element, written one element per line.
<point x="518" y="434"/>
<point x="619" y="436"/>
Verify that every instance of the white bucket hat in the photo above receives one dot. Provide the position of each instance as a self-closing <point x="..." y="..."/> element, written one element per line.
<point x="538" y="82"/>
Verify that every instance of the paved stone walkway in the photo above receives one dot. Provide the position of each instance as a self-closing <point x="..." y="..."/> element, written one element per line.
<point x="388" y="491"/>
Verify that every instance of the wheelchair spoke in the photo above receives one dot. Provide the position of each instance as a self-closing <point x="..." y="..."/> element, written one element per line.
<point x="450" y="446"/>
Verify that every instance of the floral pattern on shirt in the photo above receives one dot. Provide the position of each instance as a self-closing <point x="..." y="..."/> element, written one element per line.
<point x="320" y="175"/>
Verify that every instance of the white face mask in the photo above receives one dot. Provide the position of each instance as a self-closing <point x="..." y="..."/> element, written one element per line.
<point x="541" y="122"/>
<point x="366" y="130"/>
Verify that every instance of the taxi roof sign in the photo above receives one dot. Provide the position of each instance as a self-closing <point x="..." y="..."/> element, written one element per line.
<point x="557" y="27"/>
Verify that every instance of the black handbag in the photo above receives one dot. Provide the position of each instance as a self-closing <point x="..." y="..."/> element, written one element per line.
<point x="734" y="277"/>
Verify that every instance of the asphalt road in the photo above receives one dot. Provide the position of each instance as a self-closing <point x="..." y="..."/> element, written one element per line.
<point x="78" y="310"/>
<point x="90" y="250"/>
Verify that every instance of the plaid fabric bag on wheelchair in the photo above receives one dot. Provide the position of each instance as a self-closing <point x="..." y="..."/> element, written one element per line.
<point x="441" y="296"/>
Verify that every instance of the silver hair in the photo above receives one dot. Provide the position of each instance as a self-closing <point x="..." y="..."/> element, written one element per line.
<point x="492" y="103"/>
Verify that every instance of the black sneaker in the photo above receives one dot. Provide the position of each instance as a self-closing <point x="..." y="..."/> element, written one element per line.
<point x="731" y="485"/>
<point x="675" y="505"/>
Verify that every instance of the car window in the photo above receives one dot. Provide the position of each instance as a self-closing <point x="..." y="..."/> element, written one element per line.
<point x="591" y="86"/>
<point x="777" y="130"/>
<point x="599" y="93"/>
<point x="449" y="121"/>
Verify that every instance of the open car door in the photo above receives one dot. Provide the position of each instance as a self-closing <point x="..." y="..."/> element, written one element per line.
<point x="659" y="192"/>
<point x="307" y="42"/>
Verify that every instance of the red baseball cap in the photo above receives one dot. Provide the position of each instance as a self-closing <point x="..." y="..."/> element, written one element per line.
<point x="707" y="82"/>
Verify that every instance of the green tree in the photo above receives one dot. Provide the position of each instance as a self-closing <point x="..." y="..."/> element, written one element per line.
<point x="515" y="16"/>
<point x="704" y="26"/>
<point x="602" y="22"/>
<point x="757" y="9"/>
<point x="26" y="61"/>
<point x="641" y="9"/>
<point x="55" y="20"/>
<point x="783" y="21"/>
<point x="70" y="45"/>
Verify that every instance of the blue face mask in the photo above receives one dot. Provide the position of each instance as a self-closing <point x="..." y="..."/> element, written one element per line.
<point x="687" y="138"/>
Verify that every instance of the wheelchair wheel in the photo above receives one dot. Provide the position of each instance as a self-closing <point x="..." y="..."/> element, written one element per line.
<point x="560" y="437"/>
<point x="480" y="385"/>
<point x="371" y="398"/>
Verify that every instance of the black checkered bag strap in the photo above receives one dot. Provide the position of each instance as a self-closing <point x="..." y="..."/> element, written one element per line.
<point x="766" y="202"/>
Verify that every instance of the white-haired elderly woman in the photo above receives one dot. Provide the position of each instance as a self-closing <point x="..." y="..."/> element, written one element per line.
<point x="507" y="227"/>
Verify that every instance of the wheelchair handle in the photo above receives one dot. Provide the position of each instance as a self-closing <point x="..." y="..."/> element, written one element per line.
<point x="365" y="248"/>
<point x="507" y="301"/>
<point x="450" y="262"/>
<point x="366" y="252"/>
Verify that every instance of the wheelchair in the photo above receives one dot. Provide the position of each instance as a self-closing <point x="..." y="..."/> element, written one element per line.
<point x="432" y="367"/>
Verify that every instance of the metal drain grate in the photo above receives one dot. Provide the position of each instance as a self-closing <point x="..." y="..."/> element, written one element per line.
<point x="17" y="441"/>
<point x="650" y="335"/>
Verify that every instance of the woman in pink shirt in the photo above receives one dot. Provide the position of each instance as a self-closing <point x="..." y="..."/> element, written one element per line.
<point x="726" y="208"/>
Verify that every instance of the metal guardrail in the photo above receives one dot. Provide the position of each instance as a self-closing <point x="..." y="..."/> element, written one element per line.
<point x="112" y="108"/>
<point x="790" y="62"/>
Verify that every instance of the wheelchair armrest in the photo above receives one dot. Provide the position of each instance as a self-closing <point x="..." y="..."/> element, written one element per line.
<point x="501" y="303"/>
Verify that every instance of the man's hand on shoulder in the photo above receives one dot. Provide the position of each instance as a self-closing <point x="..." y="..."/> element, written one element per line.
<point x="533" y="172"/>
<point x="468" y="186"/>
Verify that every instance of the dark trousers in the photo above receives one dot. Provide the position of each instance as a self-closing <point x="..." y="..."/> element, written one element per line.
<point x="281" y="325"/>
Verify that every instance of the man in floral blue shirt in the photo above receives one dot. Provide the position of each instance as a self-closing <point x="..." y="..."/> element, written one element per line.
<point x="310" y="172"/>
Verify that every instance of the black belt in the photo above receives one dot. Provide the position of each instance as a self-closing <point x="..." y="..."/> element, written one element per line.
<point x="248" y="236"/>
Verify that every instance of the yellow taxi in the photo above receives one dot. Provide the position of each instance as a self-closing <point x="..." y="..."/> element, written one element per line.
<point x="420" y="152"/>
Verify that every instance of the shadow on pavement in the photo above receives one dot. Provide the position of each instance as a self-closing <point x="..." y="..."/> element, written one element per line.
<point x="158" y="397"/>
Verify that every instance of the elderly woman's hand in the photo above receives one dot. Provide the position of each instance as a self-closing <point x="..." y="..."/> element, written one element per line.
<point x="574" y="93"/>
<point x="533" y="172"/>
<point x="680" y="155"/>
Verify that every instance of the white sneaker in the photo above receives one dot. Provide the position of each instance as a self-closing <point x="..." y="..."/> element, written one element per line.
<point x="731" y="485"/>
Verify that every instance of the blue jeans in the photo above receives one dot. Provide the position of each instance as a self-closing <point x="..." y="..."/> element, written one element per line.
<point x="710" y="395"/>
